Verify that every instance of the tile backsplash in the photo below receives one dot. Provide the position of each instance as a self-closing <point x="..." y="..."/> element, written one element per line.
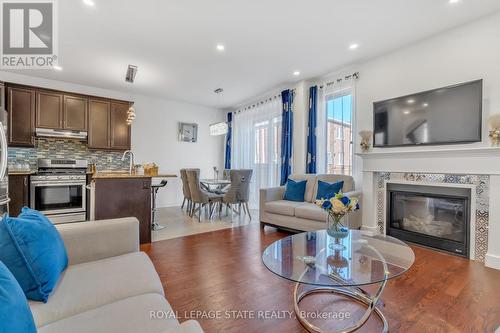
<point x="70" y="149"/>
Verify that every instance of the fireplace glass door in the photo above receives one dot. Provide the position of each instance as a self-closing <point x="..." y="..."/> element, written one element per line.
<point x="432" y="216"/>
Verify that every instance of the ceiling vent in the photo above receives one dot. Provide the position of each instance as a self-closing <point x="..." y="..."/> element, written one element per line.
<point x="131" y="73"/>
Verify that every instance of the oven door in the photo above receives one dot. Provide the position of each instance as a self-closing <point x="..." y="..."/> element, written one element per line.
<point x="52" y="197"/>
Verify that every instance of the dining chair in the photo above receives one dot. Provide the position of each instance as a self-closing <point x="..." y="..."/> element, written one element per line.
<point x="200" y="197"/>
<point x="239" y="191"/>
<point x="185" y="191"/>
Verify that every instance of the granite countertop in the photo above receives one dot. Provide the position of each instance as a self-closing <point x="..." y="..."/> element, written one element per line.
<point x="115" y="175"/>
<point x="22" y="173"/>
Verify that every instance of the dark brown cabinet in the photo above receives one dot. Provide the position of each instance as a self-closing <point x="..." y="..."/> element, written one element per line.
<point x="75" y="113"/>
<point x="49" y="110"/>
<point x="99" y="123"/>
<point x="120" y="130"/>
<point x="105" y="120"/>
<point x="21" y="110"/>
<point x="124" y="197"/>
<point x="18" y="193"/>
<point x="58" y="111"/>
<point x="108" y="128"/>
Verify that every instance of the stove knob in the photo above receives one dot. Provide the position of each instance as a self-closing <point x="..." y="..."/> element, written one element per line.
<point x="59" y="177"/>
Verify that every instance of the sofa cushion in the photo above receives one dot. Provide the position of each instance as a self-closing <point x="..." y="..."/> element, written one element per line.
<point x="133" y="314"/>
<point x="328" y="190"/>
<point x="33" y="251"/>
<point x="348" y="182"/>
<point x="310" y="186"/>
<point x="15" y="314"/>
<point x="282" y="207"/>
<point x="295" y="190"/>
<point x="310" y="211"/>
<point x="90" y="285"/>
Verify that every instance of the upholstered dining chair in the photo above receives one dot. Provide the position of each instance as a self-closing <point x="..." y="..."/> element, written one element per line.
<point x="185" y="191"/>
<point x="200" y="197"/>
<point x="239" y="192"/>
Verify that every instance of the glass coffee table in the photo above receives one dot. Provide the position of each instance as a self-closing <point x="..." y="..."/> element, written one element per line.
<point x="321" y="264"/>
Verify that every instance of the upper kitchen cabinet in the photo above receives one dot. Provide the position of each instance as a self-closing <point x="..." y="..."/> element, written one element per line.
<point x="75" y="112"/>
<point x="21" y="108"/>
<point x="120" y="130"/>
<point x="49" y="110"/>
<point x="99" y="124"/>
<point x="108" y="128"/>
<point x="59" y="111"/>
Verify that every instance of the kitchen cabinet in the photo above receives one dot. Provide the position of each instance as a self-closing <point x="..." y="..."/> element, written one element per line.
<point x="21" y="112"/>
<point x="18" y="193"/>
<point x="108" y="128"/>
<point x="99" y="123"/>
<point x="105" y="120"/>
<point x="120" y="130"/>
<point x="75" y="113"/>
<point x="59" y="111"/>
<point x="49" y="109"/>
<point x="124" y="197"/>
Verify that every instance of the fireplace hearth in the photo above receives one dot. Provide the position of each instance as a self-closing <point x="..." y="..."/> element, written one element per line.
<point x="433" y="216"/>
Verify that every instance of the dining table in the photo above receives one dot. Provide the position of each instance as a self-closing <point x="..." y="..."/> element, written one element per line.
<point x="214" y="185"/>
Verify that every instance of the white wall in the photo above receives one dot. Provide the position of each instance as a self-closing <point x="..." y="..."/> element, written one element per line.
<point x="155" y="139"/>
<point x="154" y="132"/>
<point x="463" y="54"/>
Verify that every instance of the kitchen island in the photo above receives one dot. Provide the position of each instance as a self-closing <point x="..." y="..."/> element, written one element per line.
<point x="115" y="195"/>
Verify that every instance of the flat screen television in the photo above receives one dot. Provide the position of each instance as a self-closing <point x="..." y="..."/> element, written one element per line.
<point x="442" y="116"/>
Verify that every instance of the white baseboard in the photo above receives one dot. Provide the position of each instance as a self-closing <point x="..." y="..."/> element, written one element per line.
<point x="374" y="230"/>
<point x="492" y="261"/>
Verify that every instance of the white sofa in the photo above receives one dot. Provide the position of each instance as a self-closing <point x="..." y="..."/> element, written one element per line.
<point x="109" y="286"/>
<point x="303" y="216"/>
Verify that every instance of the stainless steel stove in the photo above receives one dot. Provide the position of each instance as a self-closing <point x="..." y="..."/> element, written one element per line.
<point x="59" y="190"/>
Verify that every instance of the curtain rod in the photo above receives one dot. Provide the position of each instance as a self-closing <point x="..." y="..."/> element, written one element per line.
<point x="269" y="99"/>
<point x="354" y="75"/>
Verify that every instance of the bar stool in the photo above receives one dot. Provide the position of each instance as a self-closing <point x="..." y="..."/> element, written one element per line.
<point x="154" y="191"/>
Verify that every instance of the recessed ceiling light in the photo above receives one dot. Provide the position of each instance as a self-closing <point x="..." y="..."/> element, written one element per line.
<point x="296" y="73"/>
<point x="353" y="46"/>
<point x="406" y="112"/>
<point x="410" y="101"/>
<point x="425" y="105"/>
<point x="58" y="68"/>
<point x="90" y="3"/>
<point x="454" y="1"/>
<point x="220" y="47"/>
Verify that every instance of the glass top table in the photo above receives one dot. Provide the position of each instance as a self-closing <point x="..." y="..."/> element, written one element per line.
<point x="325" y="264"/>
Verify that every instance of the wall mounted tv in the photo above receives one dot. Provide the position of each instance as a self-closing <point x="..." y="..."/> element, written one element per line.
<point x="441" y="116"/>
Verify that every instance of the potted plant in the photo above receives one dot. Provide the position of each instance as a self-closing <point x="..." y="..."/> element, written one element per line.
<point x="337" y="208"/>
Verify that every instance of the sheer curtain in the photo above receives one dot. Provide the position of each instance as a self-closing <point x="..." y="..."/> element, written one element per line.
<point x="256" y="145"/>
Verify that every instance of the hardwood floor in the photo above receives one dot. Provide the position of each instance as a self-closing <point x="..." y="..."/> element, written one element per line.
<point x="222" y="271"/>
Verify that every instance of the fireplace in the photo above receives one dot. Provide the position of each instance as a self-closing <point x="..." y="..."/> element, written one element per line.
<point x="434" y="216"/>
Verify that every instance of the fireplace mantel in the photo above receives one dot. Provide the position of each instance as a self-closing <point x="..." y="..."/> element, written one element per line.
<point x="454" y="162"/>
<point x="459" y="160"/>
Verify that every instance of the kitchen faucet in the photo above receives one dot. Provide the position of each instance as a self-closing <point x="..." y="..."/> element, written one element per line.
<point x="131" y="166"/>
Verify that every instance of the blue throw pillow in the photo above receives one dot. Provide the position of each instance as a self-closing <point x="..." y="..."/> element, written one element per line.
<point x="328" y="190"/>
<point x="33" y="251"/>
<point x="294" y="191"/>
<point x="15" y="314"/>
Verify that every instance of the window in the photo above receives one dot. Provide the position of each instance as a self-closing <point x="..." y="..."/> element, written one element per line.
<point x="340" y="159"/>
<point x="339" y="110"/>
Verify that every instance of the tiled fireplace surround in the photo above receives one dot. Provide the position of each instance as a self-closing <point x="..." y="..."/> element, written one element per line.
<point x="476" y="168"/>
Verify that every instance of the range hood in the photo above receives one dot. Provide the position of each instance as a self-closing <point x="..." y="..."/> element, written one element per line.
<point x="63" y="134"/>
